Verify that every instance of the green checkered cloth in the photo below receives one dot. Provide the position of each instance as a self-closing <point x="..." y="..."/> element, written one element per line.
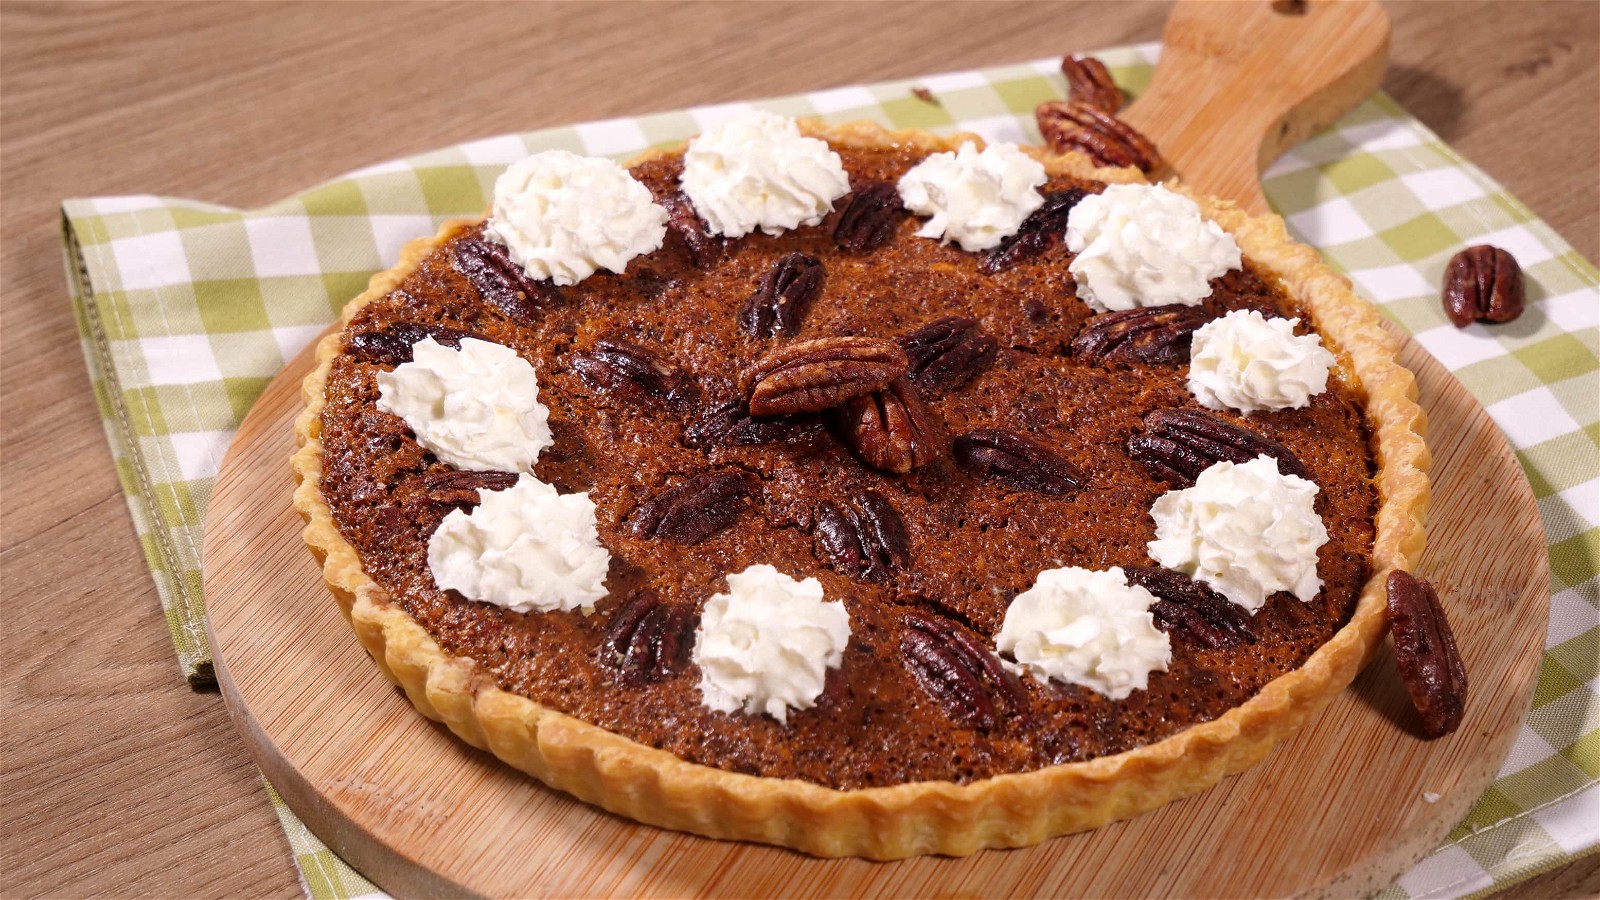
<point x="187" y="310"/>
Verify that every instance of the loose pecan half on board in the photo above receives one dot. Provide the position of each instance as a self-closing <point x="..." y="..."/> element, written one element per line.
<point x="1425" y="649"/>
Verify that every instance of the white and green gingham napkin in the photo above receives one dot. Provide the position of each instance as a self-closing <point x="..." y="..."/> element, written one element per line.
<point x="187" y="310"/>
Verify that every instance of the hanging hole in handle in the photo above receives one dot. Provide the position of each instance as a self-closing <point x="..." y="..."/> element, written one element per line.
<point x="1289" y="7"/>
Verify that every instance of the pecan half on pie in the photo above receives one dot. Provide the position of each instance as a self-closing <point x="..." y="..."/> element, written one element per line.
<point x="875" y="526"/>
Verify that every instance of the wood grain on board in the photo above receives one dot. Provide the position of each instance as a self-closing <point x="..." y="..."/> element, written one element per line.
<point x="1240" y="83"/>
<point x="120" y="779"/>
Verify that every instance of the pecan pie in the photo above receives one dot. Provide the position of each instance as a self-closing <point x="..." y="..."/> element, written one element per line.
<point x="920" y="428"/>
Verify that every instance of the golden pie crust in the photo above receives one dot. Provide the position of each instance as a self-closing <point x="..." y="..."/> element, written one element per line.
<point x="1012" y="810"/>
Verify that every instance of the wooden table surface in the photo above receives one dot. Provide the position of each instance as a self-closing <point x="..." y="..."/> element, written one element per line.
<point x="119" y="779"/>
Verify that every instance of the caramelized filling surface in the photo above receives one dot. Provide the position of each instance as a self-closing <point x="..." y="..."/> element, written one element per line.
<point x="975" y="544"/>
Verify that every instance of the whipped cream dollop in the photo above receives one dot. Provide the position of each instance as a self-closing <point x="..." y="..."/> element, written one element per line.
<point x="524" y="548"/>
<point x="758" y="171"/>
<point x="476" y="408"/>
<point x="975" y="199"/>
<point x="1143" y="245"/>
<point x="561" y="216"/>
<point x="1248" y="362"/>
<point x="1247" y="530"/>
<point x="1087" y="628"/>
<point x="767" y="644"/>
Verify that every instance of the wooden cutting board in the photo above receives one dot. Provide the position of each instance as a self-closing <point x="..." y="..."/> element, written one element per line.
<point x="1344" y="807"/>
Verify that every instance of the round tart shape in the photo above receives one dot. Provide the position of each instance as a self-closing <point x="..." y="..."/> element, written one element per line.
<point x="885" y="766"/>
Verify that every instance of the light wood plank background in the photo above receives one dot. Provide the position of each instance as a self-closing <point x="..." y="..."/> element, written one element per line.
<point x="115" y="778"/>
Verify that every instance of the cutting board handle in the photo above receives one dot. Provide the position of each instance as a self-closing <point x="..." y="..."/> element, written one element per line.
<point x="1241" y="82"/>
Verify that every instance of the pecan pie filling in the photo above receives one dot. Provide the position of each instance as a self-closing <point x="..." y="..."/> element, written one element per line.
<point x="994" y="428"/>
